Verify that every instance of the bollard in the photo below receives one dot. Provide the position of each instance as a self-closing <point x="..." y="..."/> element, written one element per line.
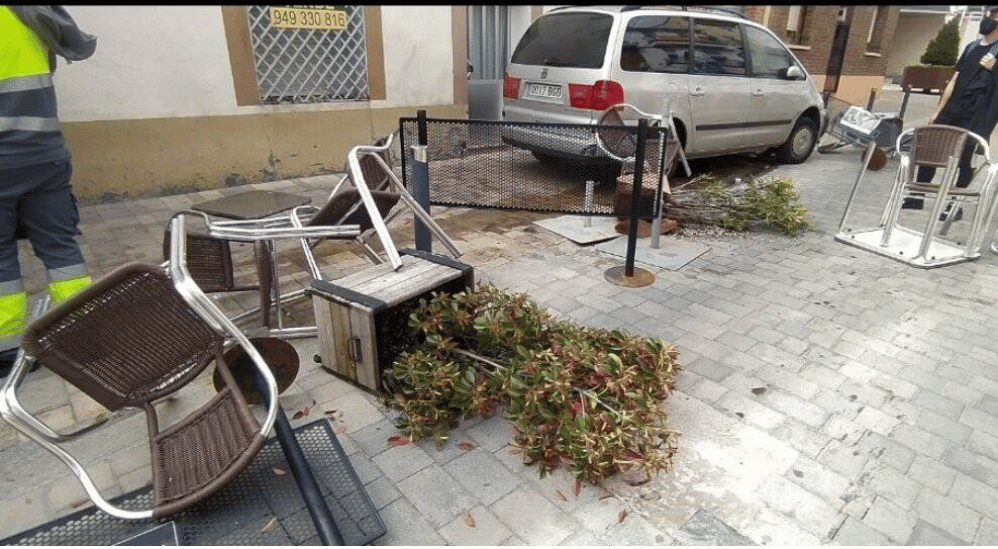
<point x="873" y="97"/>
<point x="421" y="185"/>
<point x="639" y="168"/>
<point x="588" y="222"/>
<point x="904" y="102"/>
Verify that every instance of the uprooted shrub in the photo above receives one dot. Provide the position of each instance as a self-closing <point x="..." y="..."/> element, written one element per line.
<point x="584" y="398"/>
<point x="771" y="202"/>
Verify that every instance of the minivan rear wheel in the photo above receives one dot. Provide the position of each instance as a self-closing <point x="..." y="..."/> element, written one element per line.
<point x="800" y="144"/>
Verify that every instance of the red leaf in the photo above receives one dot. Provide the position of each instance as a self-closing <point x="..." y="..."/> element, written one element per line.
<point x="622" y="516"/>
<point x="605" y="495"/>
<point x="302" y="413"/>
<point x="577" y="488"/>
<point x="559" y="495"/>
<point x="330" y="412"/>
<point x="466" y="446"/>
<point x="279" y="472"/>
<point x="270" y="527"/>
<point x="398" y="440"/>
<point x="468" y="519"/>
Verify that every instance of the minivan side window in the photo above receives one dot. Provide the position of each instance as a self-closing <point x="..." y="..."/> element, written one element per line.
<point x="565" y="40"/>
<point x="768" y="56"/>
<point x="718" y="48"/>
<point x="656" y="44"/>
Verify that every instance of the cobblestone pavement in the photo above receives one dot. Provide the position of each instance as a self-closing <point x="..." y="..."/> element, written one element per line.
<point x="828" y="396"/>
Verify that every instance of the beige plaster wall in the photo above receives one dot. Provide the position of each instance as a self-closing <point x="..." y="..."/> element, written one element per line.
<point x="914" y="32"/>
<point x="154" y="156"/>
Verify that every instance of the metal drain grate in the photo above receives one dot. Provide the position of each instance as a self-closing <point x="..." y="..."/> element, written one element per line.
<point x="237" y="513"/>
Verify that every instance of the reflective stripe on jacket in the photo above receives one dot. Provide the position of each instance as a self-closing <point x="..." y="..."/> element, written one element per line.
<point x="29" y="123"/>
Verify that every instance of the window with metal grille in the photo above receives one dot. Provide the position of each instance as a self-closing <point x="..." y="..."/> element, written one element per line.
<point x="797" y="25"/>
<point x="877" y="23"/>
<point x="309" y="54"/>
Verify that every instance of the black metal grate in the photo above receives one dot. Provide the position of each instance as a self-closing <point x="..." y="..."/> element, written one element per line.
<point x="512" y="165"/>
<point x="238" y="513"/>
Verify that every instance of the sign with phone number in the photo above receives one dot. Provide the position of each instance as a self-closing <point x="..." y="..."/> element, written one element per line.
<point x="308" y="18"/>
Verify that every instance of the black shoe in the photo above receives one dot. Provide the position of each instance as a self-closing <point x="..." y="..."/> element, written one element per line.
<point x="912" y="204"/>
<point x="956" y="216"/>
<point x="7" y="359"/>
<point x="7" y="362"/>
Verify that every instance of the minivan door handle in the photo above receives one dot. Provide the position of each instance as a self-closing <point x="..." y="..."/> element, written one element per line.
<point x="698" y="91"/>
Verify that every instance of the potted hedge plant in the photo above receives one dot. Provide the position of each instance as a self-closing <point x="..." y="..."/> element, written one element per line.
<point x="938" y="61"/>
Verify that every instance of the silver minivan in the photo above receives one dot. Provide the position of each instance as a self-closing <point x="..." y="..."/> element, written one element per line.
<point x="732" y="85"/>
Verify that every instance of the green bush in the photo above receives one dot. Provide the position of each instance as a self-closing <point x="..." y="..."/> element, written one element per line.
<point x="583" y="398"/>
<point x="944" y="48"/>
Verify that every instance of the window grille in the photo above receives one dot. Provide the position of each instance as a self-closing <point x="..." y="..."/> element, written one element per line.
<point x="874" y="38"/>
<point x="309" y="65"/>
<point x="797" y="25"/>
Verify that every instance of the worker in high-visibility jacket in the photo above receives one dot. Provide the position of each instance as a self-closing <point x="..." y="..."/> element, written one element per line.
<point x="35" y="165"/>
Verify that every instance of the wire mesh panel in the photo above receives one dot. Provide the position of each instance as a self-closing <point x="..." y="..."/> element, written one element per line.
<point x="309" y="65"/>
<point x="524" y="166"/>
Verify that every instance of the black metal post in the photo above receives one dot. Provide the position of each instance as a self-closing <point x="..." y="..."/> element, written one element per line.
<point x="873" y="97"/>
<point x="322" y="517"/>
<point x="639" y="168"/>
<point x="904" y="102"/>
<point x="421" y="185"/>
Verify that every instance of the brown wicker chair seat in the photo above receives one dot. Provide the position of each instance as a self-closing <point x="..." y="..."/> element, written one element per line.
<point x="129" y="340"/>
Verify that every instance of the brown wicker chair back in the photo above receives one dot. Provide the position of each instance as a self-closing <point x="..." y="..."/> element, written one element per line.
<point x="126" y="340"/>
<point x="932" y="146"/>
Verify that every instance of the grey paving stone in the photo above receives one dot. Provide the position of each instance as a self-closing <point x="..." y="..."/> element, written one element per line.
<point x="437" y="496"/>
<point x="492" y="433"/>
<point x="817" y="479"/>
<point x="406" y="526"/>
<point x="533" y="518"/>
<point x="854" y="532"/>
<point x="947" y="514"/>
<point x="988" y="533"/>
<point x="976" y="495"/>
<point x="482" y="475"/>
<point x="972" y="464"/>
<point x="706" y="529"/>
<point x="477" y="526"/>
<point x="402" y="461"/>
<point x="927" y="534"/>
<point x="896" y="523"/>
<point x="811" y="512"/>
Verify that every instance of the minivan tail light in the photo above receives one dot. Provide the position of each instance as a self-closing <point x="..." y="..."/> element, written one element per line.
<point x="510" y="86"/>
<point x="600" y="96"/>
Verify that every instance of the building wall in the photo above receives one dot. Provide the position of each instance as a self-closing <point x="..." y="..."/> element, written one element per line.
<point x="915" y="31"/>
<point x="156" y="108"/>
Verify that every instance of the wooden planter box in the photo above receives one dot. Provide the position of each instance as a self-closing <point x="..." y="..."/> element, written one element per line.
<point x="363" y="318"/>
<point x="926" y="78"/>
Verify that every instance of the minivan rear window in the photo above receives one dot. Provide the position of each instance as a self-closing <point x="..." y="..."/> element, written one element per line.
<point x="565" y="40"/>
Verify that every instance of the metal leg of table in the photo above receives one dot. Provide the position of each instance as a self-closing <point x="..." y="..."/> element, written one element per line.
<point x="322" y="518"/>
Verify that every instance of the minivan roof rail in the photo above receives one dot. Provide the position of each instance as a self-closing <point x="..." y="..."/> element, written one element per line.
<point x="704" y="9"/>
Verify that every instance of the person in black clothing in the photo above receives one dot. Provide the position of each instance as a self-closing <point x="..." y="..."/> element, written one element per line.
<point x="969" y="101"/>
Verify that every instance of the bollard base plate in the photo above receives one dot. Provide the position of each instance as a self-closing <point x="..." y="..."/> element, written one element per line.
<point x="618" y="276"/>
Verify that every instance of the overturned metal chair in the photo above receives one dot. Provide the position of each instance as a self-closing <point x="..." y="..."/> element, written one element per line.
<point x="211" y="265"/>
<point x="370" y="203"/>
<point x="131" y="339"/>
<point x="936" y="146"/>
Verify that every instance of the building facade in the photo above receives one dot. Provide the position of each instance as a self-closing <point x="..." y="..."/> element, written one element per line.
<point x="178" y="98"/>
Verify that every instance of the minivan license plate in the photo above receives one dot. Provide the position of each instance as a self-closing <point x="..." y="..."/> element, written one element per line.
<point x="544" y="90"/>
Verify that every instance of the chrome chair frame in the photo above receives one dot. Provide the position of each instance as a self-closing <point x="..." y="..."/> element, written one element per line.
<point x="928" y="247"/>
<point x="15" y="413"/>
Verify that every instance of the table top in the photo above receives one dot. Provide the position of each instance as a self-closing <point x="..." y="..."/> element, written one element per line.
<point x="251" y="204"/>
